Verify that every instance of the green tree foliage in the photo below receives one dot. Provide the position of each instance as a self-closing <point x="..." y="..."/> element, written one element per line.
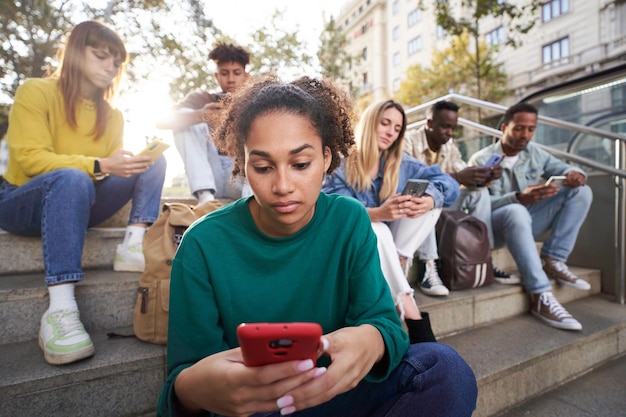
<point x="474" y="11"/>
<point x="30" y="32"/>
<point x="471" y="14"/>
<point x="453" y="69"/>
<point x="169" y="39"/>
<point x="332" y="56"/>
<point x="274" y="48"/>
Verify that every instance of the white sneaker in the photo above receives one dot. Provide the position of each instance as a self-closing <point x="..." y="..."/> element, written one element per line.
<point x="431" y="283"/>
<point x="129" y="258"/>
<point x="63" y="338"/>
<point x="205" y="197"/>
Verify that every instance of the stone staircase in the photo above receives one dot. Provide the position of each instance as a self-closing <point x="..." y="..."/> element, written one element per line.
<point x="515" y="357"/>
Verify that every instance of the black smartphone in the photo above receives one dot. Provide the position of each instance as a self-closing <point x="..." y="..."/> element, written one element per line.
<point x="415" y="187"/>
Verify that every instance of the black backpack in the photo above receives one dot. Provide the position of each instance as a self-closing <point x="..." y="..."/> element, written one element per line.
<point x="464" y="251"/>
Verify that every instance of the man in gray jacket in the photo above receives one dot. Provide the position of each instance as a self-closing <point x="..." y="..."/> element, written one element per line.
<point x="524" y="208"/>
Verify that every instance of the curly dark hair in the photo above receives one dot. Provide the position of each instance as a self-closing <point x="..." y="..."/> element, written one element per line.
<point x="328" y="106"/>
<point x="227" y="52"/>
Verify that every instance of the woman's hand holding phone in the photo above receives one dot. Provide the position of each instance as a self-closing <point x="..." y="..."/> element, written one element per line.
<point x="223" y="384"/>
<point x="124" y="164"/>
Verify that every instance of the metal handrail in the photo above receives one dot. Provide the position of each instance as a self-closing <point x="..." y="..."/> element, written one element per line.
<point x="618" y="171"/>
<point x="501" y="109"/>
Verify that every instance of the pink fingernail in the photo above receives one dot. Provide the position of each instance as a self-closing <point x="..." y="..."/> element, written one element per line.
<point x="284" y="401"/>
<point x="325" y="343"/>
<point x="287" y="410"/>
<point x="319" y="372"/>
<point x="305" y="365"/>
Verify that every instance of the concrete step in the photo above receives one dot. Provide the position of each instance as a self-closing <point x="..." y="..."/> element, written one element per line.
<point x="124" y="378"/>
<point x="509" y="357"/>
<point x="599" y="393"/>
<point x="521" y="358"/>
<point x="476" y="307"/>
<point x="105" y="299"/>
<point x="22" y="254"/>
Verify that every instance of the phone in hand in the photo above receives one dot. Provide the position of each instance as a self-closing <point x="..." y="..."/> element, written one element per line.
<point x="493" y="160"/>
<point x="265" y="343"/>
<point x="415" y="187"/>
<point x="556" y="180"/>
<point x="154" y="149"/>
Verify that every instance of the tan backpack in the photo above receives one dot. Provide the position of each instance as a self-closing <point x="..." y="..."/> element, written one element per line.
<point x="159" y="247"/>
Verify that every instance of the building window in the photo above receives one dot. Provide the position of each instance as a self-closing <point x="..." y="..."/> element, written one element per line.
<point x="555" y="51"/>
<point x="441" y="32"/>
<point x="415" y="45"/>
<point x="396" y="85"/>
<point x="395" y="33"/>
<point x="396" y="7"/>
<point x="553" y="9"/>
<point x="495" y="37"/>
<point x="396" y="59"/>
<point x="414" y="17"/>
<point x="364" y="54"/>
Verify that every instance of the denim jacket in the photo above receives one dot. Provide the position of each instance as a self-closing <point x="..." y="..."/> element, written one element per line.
<point x="443" y="188"/>
<point x="533" y="167"/>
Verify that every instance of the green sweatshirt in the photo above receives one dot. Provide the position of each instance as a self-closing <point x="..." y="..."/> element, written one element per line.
<point x="226" y="272"/>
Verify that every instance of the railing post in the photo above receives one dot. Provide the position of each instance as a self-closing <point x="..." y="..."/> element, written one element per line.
<point x="620" y="223"/>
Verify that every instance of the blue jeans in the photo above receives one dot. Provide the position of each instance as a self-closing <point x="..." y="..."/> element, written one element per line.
<point x="432" y="380"/>
<point x="517" y="227"/>
<point x="206" y="169"/>
<point x="60" y="205"/>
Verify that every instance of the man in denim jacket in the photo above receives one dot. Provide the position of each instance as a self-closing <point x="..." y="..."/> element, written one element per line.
<point x="524" y="208"/>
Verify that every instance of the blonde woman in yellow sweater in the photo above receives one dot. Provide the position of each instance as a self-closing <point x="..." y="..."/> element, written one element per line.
<point x="67" y="171"/>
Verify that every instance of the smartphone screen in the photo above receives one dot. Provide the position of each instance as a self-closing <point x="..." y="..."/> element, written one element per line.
<point x="415" y="187"/>
<point x="556" y="180"/>
<point x="154" y="149"/>
<point x="265" y="343"/>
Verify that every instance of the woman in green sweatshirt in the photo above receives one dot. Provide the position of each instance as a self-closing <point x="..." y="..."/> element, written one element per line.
<point x="292" y="253"/>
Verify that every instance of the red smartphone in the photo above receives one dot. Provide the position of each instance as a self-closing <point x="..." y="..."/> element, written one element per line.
<point x="265" y="343"/>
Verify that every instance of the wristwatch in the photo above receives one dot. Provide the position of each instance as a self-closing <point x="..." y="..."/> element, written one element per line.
<point x="97" y="172"/>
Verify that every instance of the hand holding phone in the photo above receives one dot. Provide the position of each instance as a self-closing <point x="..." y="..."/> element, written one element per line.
<point x="154" y="149"/>
<point x="415" y="187"/>
<point x="265" y="343"/>
<point x="493" y="160"/>
<point x="556" y="180"/>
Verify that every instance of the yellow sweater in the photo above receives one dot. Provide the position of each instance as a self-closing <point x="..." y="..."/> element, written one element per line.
<point x="40" y="139"/>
